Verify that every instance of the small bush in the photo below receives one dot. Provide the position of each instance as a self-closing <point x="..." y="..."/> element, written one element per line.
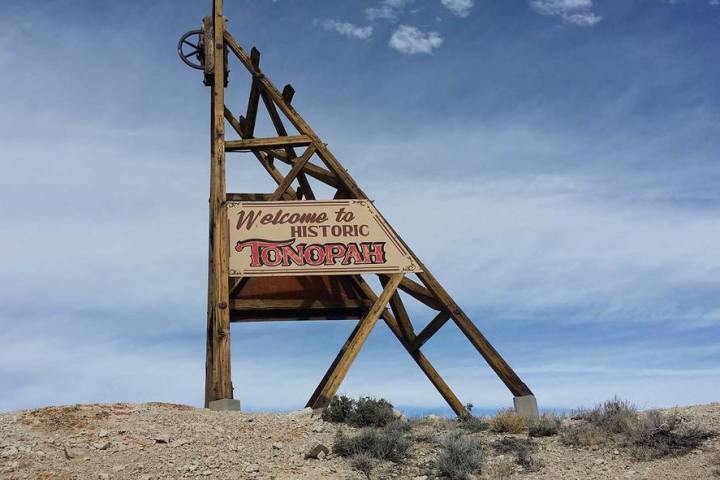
<point x="520" y="448"/>
<point x="363" y="412"/>
<point x="507" y="421"/>
<point x="460" y="456"/>
<point x="339" y="409"/>
<point x="655" y="435"/>
<point x="546" y="425"/>
<point x="615" y="416"/>
<point x="380" y="443"/>
<point x="362" y="462"/>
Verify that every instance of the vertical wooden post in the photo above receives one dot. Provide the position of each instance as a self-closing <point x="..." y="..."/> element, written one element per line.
<point x="218" y="383"/>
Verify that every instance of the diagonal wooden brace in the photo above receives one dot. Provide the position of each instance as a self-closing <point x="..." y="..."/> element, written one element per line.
<point x="337" y="371"/>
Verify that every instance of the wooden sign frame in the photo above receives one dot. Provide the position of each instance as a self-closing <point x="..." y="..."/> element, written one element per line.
<point x="296" y="298"/>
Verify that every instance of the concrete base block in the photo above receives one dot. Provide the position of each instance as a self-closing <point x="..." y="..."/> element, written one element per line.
<point x="225" y="404"/>
<point x="526" y="406"/>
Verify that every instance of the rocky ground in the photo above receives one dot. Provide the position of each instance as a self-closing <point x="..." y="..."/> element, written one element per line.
<point x="163" y="441"/>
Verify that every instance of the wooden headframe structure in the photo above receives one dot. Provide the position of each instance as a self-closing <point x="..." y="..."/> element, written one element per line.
<point x="232" y="299"/>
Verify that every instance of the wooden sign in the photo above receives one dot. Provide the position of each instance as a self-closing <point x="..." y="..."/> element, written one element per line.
<point x="331" y="237"/>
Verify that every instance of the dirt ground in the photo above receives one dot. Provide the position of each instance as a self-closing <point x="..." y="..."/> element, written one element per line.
<point x="163" y="441"/>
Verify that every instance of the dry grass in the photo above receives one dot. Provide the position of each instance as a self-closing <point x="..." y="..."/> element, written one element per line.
<point x="362" y="462"/>
<point x="583" y="435"/>
<point x="507" y="421"/>
<point x="657" y="435"/>
<point x="715" y="462"/>
<point x="502" y="469"/>
<point x="460" y="457"/>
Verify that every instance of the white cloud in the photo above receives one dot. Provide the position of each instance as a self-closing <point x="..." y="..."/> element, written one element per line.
<point x="585" y="19"/>
<point x="348" y="29"/>
<point x="384" y="11"/>
<point x="411" y="40"/>
<point x="461" y="8"/>
<point x="387" y="10"/>
<point x="574" y="12"/>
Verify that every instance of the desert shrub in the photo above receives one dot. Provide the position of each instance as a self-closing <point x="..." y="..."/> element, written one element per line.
<point x="362" y="462"/>
<point x="547" y="425"/>
<point x="583" y="435"/>
<point x="387" y="443"/>
<point x="521" y="449"/>
<point x="460" y="457"/>
<point x="363" y="412"/>
<point x="507" y="421"/>
<point x="339" y="409"/>
<point x="656" y="435"/>
<point x="502" y="469"/>
<point x="614" y="416"/>
<point x="647" y="435"/>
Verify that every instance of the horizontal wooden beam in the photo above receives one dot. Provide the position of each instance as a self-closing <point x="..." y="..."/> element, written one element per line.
<point x="267" y="143"/>
<point x="299" y="304"/>
<point x="247" y="197"/>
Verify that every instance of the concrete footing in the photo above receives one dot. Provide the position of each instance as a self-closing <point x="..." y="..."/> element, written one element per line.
<point x="526" y="406"/>
<point x="225" y="404"/>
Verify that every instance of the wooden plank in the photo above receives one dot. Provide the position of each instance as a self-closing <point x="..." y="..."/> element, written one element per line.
<point x="335" y="375"/>
<point x="248" y="197"/>
<point x="248" y="122"/>
<point x="234" y="122"/>
<point x="403" y="320"/>
<point x="237" y="285"/>
<point x="288" y="93"/>
<point x="295" y="304"/>
<point x="292" y="174"/>
<point x="218" y="380"/>
<point x="265" y="143"/>
<point x="430" y="330"/>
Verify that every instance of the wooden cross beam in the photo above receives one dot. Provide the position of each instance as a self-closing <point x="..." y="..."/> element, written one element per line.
<point x="331" y="381"/>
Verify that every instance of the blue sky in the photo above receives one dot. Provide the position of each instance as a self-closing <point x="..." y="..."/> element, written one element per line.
<point x="570" y="146"/>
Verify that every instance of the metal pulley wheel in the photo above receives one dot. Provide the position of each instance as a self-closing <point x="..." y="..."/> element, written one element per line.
<point x="190" y="47"/>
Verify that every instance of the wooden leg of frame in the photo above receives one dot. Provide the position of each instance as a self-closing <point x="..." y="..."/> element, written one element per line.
<point x="335" y="375"/>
